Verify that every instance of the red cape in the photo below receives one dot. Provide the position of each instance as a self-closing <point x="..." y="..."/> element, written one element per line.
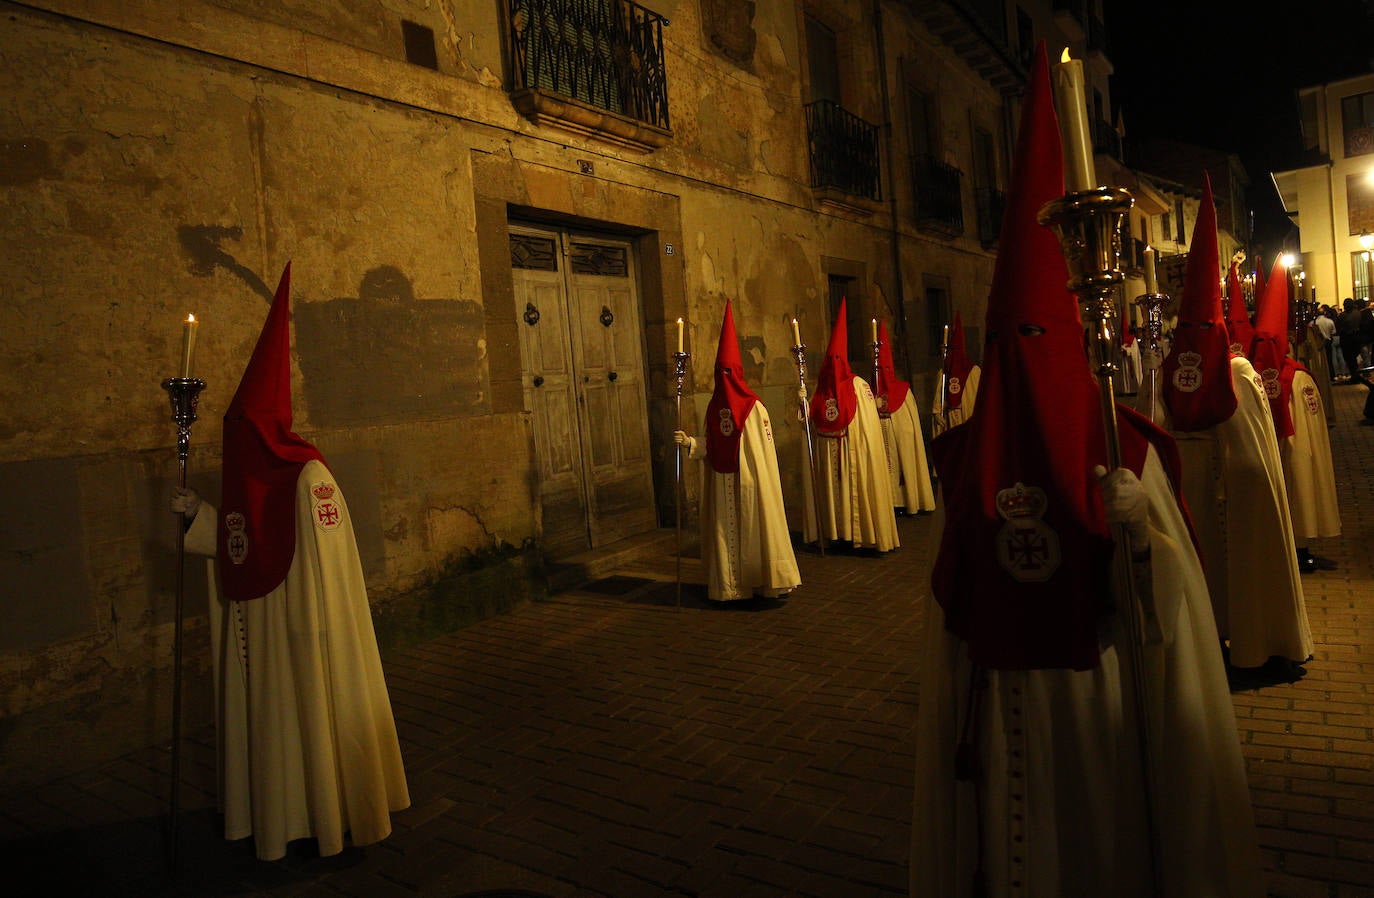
<point x="730" y="403"/>
<point x="262" y="462"/>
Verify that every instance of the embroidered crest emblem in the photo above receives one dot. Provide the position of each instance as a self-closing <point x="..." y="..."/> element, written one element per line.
<point x="1027" y="548"/>
<point x="237" y="540"/>
<point x="1309" y="398"/>
<point x="1188" y="377"/>
<point x="832" y="409"/>
<point x="727" y="424"/>
<point x="325" y="510"/>
<point x="954" y="386"/>
<point x="1269" y="380"/>
<point x="1236" y="349"/>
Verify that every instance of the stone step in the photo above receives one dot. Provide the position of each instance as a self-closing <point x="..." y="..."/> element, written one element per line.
<point x="578" y="570"/>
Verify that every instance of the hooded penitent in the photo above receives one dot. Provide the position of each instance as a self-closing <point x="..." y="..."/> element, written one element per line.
<point x="1197" y="373"/>
<point x="262" y="461"/>
<point x="833" y="405"/>
<point x="957" y="365"/>
<point x="891" y="391"/>
<point x="1238" y="325"/>
<point x="1018" y="477"/>
<point x="1269" y="348"/>
<point x="730" y="403"/>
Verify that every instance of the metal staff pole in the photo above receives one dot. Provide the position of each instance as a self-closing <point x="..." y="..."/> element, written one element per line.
<point x="942" y="417"/>
<point x="1088" y="224"/>
<point x="1152" y="359"/>
<point x="184" y="394"/>
<point x="803" y="406"/>
<point x="877" y="368"/>
<point x="679" y="372"/>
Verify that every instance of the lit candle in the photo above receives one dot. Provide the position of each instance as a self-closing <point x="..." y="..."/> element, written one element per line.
<point x="679" y="335"/>
<point x="1073" y="124"/>
<point x="1151" y="282"/>
<point x="796" y="334"/>
<point x="188" y="344"/>
<point x="875" y="330"/>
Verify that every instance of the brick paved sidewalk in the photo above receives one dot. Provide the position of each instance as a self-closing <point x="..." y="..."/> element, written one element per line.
<point x="608" y="742"/>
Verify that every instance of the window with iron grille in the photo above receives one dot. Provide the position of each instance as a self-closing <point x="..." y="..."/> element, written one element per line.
<point x="844" y="150"/>
<point x="606" y="53"/>
<point x="939" y="197"/>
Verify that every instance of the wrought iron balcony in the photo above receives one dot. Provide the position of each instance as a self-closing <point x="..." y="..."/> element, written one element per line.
<point x="574" y="61"/>
<point x="1105" y="140"/>
<point x="939" y="199"/>
<point x="992" y="203"/>
<point x="844" y="150"/>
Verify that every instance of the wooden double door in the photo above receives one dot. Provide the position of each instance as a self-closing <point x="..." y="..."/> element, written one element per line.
<point x="582" y="364"/>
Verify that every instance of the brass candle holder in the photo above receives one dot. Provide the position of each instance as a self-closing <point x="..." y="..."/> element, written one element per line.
<point x="1152" y="357"/>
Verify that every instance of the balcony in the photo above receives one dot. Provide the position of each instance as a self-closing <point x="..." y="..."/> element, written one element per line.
<point x="991" y="203"/>
<point x="1106" y="142"/>
<point x="844" y="151"/>
<point x="939" y="200"/>
<point x="592" y="67"/>
<point x="1097" y="35"/>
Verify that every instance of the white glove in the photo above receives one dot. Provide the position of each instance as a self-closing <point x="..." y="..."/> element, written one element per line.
<point x="682" y="439"/>
<point x="1126" y="504"/>
<point x="185" y="502"/>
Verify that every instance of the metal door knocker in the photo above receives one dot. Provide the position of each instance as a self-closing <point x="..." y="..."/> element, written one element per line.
<point x="531" y="314"/>
<point x="606" y="316"/>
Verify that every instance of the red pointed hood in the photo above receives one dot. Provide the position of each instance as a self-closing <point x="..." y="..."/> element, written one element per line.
<point x="1238" y="327"/>
<point x="1022" y="570"/>
<point x="1197" y="373"/>
<point x="262" y="461"/>
<point x="730" y="403"/>
<point x="1269" y="347"/>
<point x="833" y="405"/>
<point x="957" y="365"/>
<point x="891" y="390"/>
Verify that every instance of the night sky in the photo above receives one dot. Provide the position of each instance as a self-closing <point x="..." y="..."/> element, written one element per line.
<point x="1224" y="75"/>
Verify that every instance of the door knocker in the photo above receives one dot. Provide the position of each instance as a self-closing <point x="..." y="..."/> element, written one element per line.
<point x="606" y="316"/>
<point x="531" y="314"/>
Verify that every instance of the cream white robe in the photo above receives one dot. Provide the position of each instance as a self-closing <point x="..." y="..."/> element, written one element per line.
<point x="1234" y="487"/>
<point x="1060" y="797"/>
<point x="905" y="447"/>
<point x="1307" y="467"/>
<point x="307" y="741"/>
<point x="855" y="494"/>
<point x="956" y="416"/>
<point x="746" y="547"/>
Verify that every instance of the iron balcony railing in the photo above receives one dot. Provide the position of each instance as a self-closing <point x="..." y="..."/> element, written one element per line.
<point x="992" y="203"/>
<point x="607" y="53"/>
<point x="1105" y="140"/>
<point x="844" y="150"/>
<point x="939" y="199"/>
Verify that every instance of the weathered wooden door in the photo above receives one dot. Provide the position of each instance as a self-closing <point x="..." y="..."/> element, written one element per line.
<point x="582" y="354"/>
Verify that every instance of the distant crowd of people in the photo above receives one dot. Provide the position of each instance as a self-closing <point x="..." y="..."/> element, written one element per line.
<point x="1349" y="336"/>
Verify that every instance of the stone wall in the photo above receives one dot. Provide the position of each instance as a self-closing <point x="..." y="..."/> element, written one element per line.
<point x="159" y="159"/>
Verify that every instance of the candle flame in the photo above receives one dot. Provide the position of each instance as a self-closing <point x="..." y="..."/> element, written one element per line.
<point x="190" y="319"/>
<point x="679" y="321"/>
<point x="1064" y="57"/>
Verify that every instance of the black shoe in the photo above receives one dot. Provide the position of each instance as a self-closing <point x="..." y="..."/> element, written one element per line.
<point x="1324" y="564"/>
<point x="1306" y="563"/>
